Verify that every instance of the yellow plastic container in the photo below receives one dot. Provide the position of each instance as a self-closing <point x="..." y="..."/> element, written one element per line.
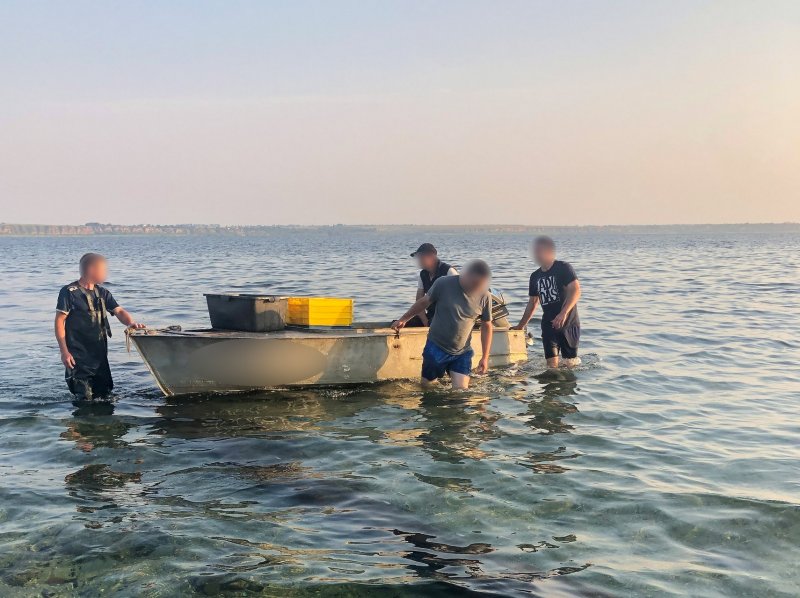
<point x="319" y="311"/>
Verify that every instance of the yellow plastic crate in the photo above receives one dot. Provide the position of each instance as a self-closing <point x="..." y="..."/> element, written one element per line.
<point x="319" y="311"/>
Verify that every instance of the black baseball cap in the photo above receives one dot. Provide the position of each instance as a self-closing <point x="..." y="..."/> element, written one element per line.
<point x="424" y="248"/>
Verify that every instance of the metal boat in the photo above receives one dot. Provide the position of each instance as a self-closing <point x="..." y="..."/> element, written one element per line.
<point x="222" y="361"/>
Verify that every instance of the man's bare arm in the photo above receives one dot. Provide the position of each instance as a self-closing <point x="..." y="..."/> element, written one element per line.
<point x="572" y="294"/>
<point x="61" y="338"/>
<point x="487" y="331"/>
<point x="528" y="313"/>
<point x="126" y="318"/>
<point x="419" y="307"/>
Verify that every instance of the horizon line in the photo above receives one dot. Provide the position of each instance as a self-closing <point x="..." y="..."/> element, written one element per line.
<point x="389" y="225"/>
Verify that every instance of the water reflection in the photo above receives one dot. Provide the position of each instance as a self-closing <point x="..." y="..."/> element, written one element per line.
<point x="99" y="486"/>
<point x="98" y="477"/>
<point x="429" y="555"/>
<point x="548" y="408"/>
<point x="457" y="426"/>
<point x="93" y="425"/>
<point x="262" y="413"/>
<point x="298" y="485"/>
<point x="461" y="561"/>
<point x="449" y="427"/>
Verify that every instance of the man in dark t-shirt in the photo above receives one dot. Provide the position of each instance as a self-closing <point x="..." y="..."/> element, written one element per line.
<point x="557" y="288"/>
<point x="82" y="329"/>
<point x="432" y="269"/>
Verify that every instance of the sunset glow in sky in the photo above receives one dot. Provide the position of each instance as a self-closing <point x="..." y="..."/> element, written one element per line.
<point x="516" y="112"/>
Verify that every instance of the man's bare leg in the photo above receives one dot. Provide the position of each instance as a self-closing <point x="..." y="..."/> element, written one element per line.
<point x="428" y="384"/>
<point x="459" y="381"/>
<point x="552" y="362"/>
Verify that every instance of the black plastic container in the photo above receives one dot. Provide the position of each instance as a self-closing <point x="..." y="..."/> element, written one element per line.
<point x="247" y="313"/>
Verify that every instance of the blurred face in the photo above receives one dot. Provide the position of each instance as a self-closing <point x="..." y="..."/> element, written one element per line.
<point x="474" y="284"/>
<point x="544" y="255"/>
<point x="97" y="271"/>
<point x="427" y="261"/>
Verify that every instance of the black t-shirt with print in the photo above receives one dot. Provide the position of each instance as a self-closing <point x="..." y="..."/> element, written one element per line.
<point x="549" y="287"/>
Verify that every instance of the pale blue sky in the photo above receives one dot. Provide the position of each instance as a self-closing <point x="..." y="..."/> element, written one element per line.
<point x="378" y="112"/>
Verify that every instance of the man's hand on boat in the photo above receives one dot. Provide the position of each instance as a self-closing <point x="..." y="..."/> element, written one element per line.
<point x="136" y="325"/>
<point x="398" y="324"/>
<point x="420" y="305"/>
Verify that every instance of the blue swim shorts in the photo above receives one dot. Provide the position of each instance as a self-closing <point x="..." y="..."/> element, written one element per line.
<point x="436" y="362"/>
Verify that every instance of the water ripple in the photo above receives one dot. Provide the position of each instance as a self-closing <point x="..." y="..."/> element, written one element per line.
<point x="665" y="465"/>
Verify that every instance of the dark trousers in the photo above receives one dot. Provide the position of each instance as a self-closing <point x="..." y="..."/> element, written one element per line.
<point x="88" y="385"/>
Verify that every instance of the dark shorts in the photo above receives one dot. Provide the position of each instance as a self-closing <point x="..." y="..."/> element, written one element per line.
<point x="563" y="342"/>
<point x="437" y="362"/>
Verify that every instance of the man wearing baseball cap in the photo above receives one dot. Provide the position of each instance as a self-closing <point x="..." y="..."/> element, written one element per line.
<point x="432" y="269"/>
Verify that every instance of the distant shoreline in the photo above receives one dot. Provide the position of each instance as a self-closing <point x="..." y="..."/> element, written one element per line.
<point x="91" y="229"/>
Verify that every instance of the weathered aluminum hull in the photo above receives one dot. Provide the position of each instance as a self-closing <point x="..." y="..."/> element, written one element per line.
<point x="211" y="361"/>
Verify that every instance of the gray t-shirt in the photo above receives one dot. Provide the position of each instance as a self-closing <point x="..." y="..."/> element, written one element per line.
<point x="456" y="313"/>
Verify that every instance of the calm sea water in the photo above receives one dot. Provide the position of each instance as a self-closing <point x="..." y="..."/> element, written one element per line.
<point x="667" y="464"/>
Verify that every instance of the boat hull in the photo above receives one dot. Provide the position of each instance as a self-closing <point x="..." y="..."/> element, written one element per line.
<point x="213" y="361"/>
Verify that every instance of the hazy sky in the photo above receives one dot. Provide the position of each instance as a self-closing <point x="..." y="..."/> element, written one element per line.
<point x="439" y="112"/>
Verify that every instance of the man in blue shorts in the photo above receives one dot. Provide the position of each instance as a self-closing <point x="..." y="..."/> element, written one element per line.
<point x="460" y="302"/>
<point x="556" y="286"/>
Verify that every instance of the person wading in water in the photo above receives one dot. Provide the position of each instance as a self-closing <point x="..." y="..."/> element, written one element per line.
<point x="432" y="269"/>
<point x="556" y="286"/>
<point x="461" y="301"/>
<point x="82" y="329"/>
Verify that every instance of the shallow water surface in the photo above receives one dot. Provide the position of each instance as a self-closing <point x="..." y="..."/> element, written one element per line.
<point x="666" y="464"/>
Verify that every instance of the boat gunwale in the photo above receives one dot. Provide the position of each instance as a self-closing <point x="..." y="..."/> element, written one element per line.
<point x="358" y="330"/>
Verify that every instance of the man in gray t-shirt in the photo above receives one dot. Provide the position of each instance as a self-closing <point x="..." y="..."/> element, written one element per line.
<point x="460" y="301"/>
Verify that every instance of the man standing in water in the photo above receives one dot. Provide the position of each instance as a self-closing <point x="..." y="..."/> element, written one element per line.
<point x="82" y="329"/>
<point x="460" y="301"/>
<point x="432" y="268"/>
<point x="557" y="288"/>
